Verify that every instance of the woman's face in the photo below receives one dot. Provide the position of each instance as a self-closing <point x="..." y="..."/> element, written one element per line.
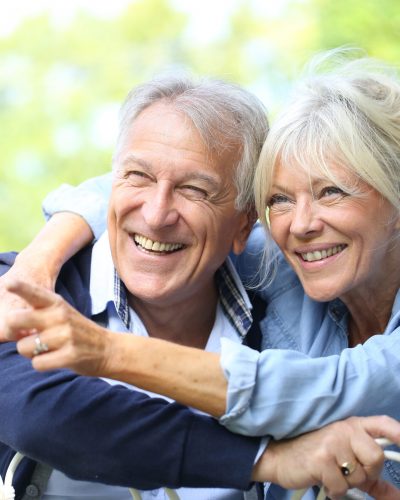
<point x="338" y="241"/>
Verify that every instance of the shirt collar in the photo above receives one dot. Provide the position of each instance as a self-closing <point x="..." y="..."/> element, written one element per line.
<point x="233" y="297"/>
<point x="106" y="287"/>
<point x="101" y="275"/>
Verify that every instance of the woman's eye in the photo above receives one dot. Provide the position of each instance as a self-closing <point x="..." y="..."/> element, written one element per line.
<point x="277" y="199"/>
<point x="194" y="192"/>
<point x="332" y="191"/>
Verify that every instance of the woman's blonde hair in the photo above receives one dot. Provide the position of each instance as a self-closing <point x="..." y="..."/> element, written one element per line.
<point x="347" y="115"/>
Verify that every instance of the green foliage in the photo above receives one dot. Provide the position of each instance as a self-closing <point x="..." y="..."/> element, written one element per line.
<point x="62" y="81"/>
<point x="370" y="24"/>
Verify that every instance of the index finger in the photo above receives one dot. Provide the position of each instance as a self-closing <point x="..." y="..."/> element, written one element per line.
<point x="36" y="296"/>
<point x="382" y="426"/>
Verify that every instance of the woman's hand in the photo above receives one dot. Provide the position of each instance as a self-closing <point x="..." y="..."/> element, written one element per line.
<point x="68" y="339"/>
<point x="27" y="269"/>
<point x="316" y="458"/>
<point x="40" y="262"/>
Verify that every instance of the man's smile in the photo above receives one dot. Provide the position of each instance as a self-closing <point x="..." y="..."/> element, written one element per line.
<point x="156" y="246"/>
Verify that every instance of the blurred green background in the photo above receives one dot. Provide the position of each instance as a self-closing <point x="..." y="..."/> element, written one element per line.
<point x="66" y="65"/>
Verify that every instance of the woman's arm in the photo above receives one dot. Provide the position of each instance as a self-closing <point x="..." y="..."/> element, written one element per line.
<point x="89" y="200"/>
<point x="75" y="342"/>
<point x="321" y="390"/>
<point x="320" y="453"/>
<point x="288" y="393"/>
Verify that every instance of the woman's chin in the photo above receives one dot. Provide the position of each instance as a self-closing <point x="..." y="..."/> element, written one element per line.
<point x="321" y="295"/>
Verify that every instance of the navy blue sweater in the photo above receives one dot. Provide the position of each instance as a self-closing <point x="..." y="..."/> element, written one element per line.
<point x="96" y="432"/>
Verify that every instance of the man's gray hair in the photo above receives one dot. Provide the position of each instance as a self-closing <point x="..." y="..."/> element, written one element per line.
<point x="348" y="116"/>
<point x="226" y="116"/>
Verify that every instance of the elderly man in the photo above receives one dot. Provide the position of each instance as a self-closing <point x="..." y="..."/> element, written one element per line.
<point x="178" y="207"/>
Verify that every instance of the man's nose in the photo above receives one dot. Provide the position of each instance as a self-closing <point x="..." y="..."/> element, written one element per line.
<point x="305" y="220"/>
<point x="159" y="209"/>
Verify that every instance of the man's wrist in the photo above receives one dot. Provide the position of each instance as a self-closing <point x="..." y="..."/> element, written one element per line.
<point x="264" y="469"/>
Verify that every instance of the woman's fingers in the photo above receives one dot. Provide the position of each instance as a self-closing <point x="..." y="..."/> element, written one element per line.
<point x="52" y="339"/>
<point x="35" y="296"/>
<point x="28" y="321"/>
<point x="51" y="360"/>
<point x="72" y="341"/>
<point x="46" y="310"/>
<point x="8" y="302"/>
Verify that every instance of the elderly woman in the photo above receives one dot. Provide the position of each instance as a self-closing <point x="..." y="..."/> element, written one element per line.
<point x="327" y="189"/>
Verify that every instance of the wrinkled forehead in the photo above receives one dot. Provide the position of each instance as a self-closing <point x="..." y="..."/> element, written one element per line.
<point x="164" y="122"/>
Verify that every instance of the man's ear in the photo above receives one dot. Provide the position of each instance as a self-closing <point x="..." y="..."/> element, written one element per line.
<point x="247" y="220"/>
<point x="397" y="225"/>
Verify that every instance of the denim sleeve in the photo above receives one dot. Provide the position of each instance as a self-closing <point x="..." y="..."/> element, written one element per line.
<point x="285" y="393"/>
<point x="89" y="200"/>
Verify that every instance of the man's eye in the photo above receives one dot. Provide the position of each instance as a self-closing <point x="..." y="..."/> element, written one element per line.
<point x="194" y="192"/>
<point x="136" y="177"/>
<point x="277" y="199"/>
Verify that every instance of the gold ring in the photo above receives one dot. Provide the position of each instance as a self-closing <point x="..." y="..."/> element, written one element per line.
<point x="347" y="468"/>
<point x="40" y="347"/>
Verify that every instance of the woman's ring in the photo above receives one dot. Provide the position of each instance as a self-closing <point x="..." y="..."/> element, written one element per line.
<point x="347" y="468"/>
<point x="40" y="347"/>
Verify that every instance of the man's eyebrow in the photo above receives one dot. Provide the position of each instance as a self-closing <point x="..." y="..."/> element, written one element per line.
<point x="201" y="176"/>
<point x="131" y="160"/>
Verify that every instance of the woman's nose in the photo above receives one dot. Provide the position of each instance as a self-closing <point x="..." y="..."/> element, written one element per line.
<point x="305" y="220"/>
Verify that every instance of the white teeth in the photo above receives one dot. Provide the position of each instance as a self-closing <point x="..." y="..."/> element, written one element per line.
<point x="156" y="246"/>
<point x="323" y="254"/>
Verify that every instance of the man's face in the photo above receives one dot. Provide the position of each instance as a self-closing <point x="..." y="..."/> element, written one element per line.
<point x="172" y="219"/>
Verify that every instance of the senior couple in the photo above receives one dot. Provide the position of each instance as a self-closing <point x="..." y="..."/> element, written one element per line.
<point x="326" y="318"/>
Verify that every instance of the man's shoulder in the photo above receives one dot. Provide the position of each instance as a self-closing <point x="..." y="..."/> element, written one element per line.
<point x="74" y="279"/>
<point x="6" y="261"/>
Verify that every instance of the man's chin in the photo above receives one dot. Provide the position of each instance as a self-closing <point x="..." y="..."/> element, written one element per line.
<point x="150" y="291"/>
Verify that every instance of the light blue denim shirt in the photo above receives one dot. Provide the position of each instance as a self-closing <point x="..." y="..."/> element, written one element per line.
<point x="306" y="376"/>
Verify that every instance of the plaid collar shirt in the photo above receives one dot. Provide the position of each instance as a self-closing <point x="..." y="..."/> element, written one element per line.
<point x="234" y="301"/>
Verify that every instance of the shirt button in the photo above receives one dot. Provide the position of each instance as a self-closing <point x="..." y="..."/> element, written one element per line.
<point x="32" y="490"/>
